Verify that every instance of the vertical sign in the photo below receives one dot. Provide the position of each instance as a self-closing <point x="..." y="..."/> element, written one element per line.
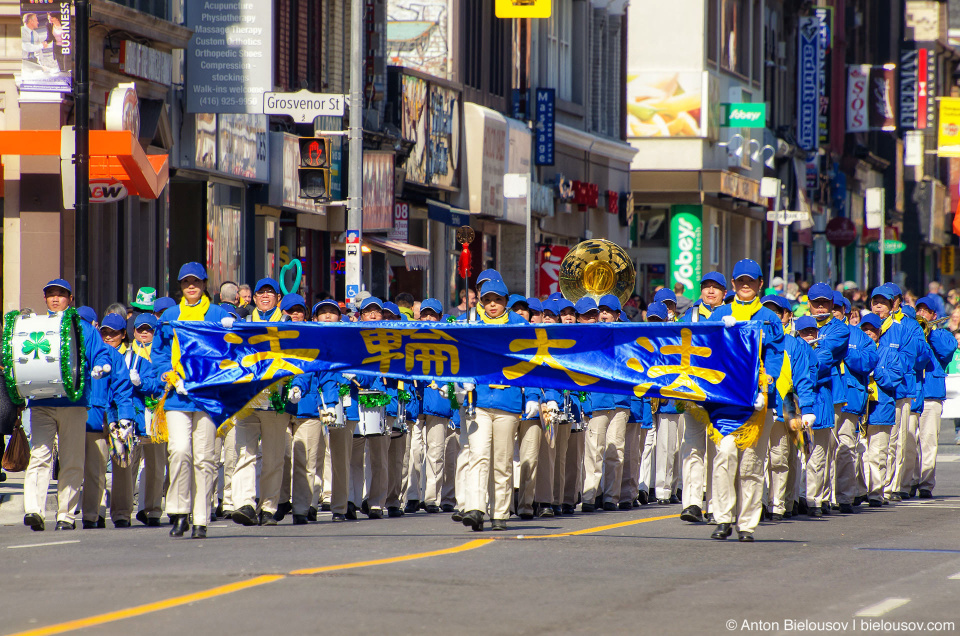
<point x="46" y="46"/>
<point x="858" y="80"/>
<point x="546" y="104"/>
<point x="825" y="17"/>
<point x="948" y="127"/>
<point x="910" y="73"/>
<point x="927" y="106"/>
<point x="882" y="92"/>
<point x="686" y="248"/>
<point x="378" y="183"/>
<point x="808" y="83"/>
<point x="401" y="220"/>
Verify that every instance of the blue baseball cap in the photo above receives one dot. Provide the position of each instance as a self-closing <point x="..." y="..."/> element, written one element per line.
<point x="585" y="305"/>
<point x="838" y="298"/>
<point x="820" y="291"/>
<point x="514" y="299"/>
<point x="87" y="313"/>
<point x="230" y="309"/>
<point x="730" y="295"/>
<point x="267" y="282"/>
<point x="494" y="286"/>
<point x="392" y="307"/>
<point x="163" y="303"/>
<point x="779" y="301"/>
<point x="114" y="321"/>
<point x="562" y="304"/>
<point x="551" y="307"/>
<point x="805" y="322"/>
<point x="871" y="319"/>
<point x="488" y="274"/>
<point x="59" y="282"/>
<point x="555" y="296"/>
<point x="431" y="304"/>
<point x="894" y="288"/>
<point x="191" y="269"/>
<point x="372" y="301"/>
<point x="145" y="319"/>
<point x="747" y="267"/>
<point x="610" y="302"/>
<point x="715" y="277"/>
<point x="883" y="291"/>
<point x="909" y="311"/>
<point x="927" y="302"/>
<point x="665" y="295"/>
<point x="290" y="301"/>
<point x="657" y="310"/>
<point x="330" y="302"/>
<point x="534" y="304"/>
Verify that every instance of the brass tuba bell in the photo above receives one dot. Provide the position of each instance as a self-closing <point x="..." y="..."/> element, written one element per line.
<point x="597" y="267"/>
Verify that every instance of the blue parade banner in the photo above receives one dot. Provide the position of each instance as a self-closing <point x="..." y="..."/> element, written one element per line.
<point x="702" y="362"/>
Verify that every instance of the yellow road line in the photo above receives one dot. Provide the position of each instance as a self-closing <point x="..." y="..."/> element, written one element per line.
<point x="470" y="545"/>
<point x="612" y="526"/>
<point x="140" y="610"/>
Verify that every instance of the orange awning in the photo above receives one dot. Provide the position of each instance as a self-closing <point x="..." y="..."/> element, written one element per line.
<point x="115" y="154"/>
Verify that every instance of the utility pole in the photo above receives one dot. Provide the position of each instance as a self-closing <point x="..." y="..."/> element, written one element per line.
<point x="81" y="92"/>
<point x="355" y="187"/>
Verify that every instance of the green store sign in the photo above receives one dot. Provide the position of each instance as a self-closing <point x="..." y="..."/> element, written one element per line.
<point x="890" y="246"/>
<point x="686" y="248"/>
<point x="743" y="115"/>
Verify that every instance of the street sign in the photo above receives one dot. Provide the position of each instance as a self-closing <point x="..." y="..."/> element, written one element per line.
<point x="785" y="217"/>
<point x="841" y="232"/>
<point x="303" y="105"/>
<point x="890" y="246"/>
<point x="743" y="115"/>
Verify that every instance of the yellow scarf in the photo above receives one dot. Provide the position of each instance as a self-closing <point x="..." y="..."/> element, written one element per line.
<point x="274" y="317"/>
<point x="744" y="311"/>
<point x="194" y="312"/>
<point x="704" y="311"/>
<point x="123" y="348"/>
<point x="502" y="320"/>
<point x="788" y="330"/>
<point x="142" y="350"/>
<point x="886" y="324"/>
<point x="821" y="323"/>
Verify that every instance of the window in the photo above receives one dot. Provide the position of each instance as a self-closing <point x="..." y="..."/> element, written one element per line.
<point x="756" y="54"/>
<point x="712" y="30"/>
<point x="735" y="32"/>
<point x="605" y="76"/>
<point x="498" y="54"/>
<point x="559" y="66"/>
<point x="472" y="11"/>
<point x="156" y="8"/>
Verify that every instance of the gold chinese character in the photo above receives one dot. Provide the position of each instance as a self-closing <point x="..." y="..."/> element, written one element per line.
<point x="543" y="344"/>
<point x="432" y="354"/>
<point x="384" y="345"/>
<point x="683" y="387"/>
<point x="276" y="354"/>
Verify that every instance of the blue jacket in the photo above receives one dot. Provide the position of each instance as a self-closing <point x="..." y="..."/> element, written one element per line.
<point x="942" y="346"/>
<point x="834" y="338"/>
<point x="797" y="375"/>
<point x="160" y="355"/>
<point x="436" y="403"/>
<point x="326" y="387"/>
<point x="858" y="364"/>
<point x="699" y="312"/>
<point x="412" y="407"/>
<point x="773" y="339"/>
<point x="140" y="361"/>
<point x="641" y="412"/>
<point x="891" y="373"/>
<point x="97" y="354"/>
<point x="499" y="396"/>
<point x="308" y="406"/>
<point x="111" y="395"/>
<point x="607" y="402"/>
<point x="534" y="395"/>
<point x="351" y="411"/>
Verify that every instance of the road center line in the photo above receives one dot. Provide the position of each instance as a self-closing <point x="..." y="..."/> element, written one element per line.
<point x="881" y="608"/>
<point x="41" y="545"/>
<point x="612" y="526"/>
<point x="470" y="545"/>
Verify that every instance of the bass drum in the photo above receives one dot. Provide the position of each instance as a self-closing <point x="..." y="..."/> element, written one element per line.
<point x="42" y="354"/>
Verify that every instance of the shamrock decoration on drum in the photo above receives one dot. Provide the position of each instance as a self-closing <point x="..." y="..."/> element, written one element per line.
<point x="36" y="344"/>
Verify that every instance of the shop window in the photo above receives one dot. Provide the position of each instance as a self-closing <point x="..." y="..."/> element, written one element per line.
<point x="558" y="59"/>
<point x="735" y="36"/>
<point x="224" y="232"/>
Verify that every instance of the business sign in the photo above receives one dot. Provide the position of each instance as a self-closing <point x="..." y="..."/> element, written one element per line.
<point x="107" y="190"/>
<point x="401" y="223"/>
<point x="824" y="16"/>
<point x="139" y="60"/>
<point x="686" y="248"/>
<point x="548" y="268"/>
<point x="230" y="56"/>
<point x="430" y="117"/>
<point x="546" y="110"/>
<point x="913" y="88"/>
<point x="485" y="137"/>
<point x="46" y="46"/>
<point x="378" y="182"/>
<point x="808" y="83"/>
<point x="523" y="8"/>
<point x="670" y="103"/>
<point x="123" y="109"/>
<point x="243" y="146"/>
<point x="303" y="105"/>
<point x="948" y="127"/>
<point x="743" y="115"/>
<point x="890" y="246"/>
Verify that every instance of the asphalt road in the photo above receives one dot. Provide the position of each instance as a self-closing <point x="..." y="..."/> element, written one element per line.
<point x="638" y="572"/>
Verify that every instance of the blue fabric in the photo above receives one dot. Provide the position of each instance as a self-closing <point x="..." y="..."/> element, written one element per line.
<point x="942" y="347"/>
<point x="859" y="363"/>
<point x="912" y="342"/>
<point x="834" y="338"/>
<point x="113" y="394"/>
<point x="802" y="373"/>
<point x="308" y="406"/>
<point x="890" y="373"/>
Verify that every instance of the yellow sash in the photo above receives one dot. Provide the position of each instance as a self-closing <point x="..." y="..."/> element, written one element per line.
<point x="276" y="316"/>
<point x="745" y="311"/>
<point x="502" y="320"/>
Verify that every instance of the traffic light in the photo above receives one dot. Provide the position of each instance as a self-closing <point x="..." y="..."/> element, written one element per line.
<point x="314" y="171"/>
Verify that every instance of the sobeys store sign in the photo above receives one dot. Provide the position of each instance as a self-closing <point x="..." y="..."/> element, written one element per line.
<point x="743" y="115"/>
<point x="686" y="248"/>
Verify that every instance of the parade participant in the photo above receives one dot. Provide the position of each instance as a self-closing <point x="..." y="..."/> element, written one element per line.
<point x="58" y="423"/>
<point x="399" y="421"/>
<point x="666" y="421"/>
<point x="265" y="429"/>
<point x="112" y="415"/>
<point x="536" y="310"/>
<point x="858" y="362"/>
<point x="566" y="311"/>
<point x="162" y="304"/>
<point x="639" y="423"/>
<point x="556" y="413"/>
<point x="738" y="470"/>
<point x="529" y="435"/>
<point x="143" y="303"/>
<point x="145" y="394"/>
<point x="518" y="304"/>
<point x="942" y="345"/>
<point x="191" y="432"/>
<point x="888" y="378"/>
<point x="551" y="315"/>
<point x="656" y="312"/>
<point x="668" y="298"/>
<point x="493" y="428"/>
<point x="910" y="477"/>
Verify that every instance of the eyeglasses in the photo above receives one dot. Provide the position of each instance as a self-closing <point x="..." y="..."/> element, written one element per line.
<point x="265" y="291"/>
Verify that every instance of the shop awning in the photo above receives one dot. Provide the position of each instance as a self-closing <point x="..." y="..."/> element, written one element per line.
<point x="116" y="154"/>
<point x="414" y="257"/>
<point x="446" y="213"/>
<point x="688" y="186"/>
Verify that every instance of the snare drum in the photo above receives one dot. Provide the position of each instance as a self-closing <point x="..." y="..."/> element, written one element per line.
<point x="45" y="355"/>
<point x="372" y="421"/>
<point x="334" y="419"/>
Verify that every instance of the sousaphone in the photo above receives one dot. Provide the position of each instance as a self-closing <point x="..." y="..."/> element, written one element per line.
<point x="595" y="268"/>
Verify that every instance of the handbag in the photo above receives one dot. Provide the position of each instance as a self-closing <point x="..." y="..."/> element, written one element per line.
<point x="17" y="454"/>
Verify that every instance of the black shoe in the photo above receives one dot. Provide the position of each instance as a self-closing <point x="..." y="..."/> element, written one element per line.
<point x="643" y="498"/>
<point x="802" y="506"/>
<point x="635" y="503"/>
<point x="33" y="521"/>
<point x="121" y="523"/>
<point x="88" y="525"/>
<point x="198" y="532"/>
<point x="895" y="497"/>
<point x="609" y="506"/>
<point x="180" y="525"/>
<point x="663" y="502"/>
<point x="524" y="516"/>
<point x="473" y="520"/>
<point x="245" y="516"/>
<point x="457" y="516"/>
<point x="587" y="507"/>
<point x="546" y="512"/>
<point x="432" y="508"/>
<point x="299" y="520"/>
<point x="913" y="492"/>
<point x="598" y="502"/>
<point x="375" y="513"/>
<point x="859" y="499"/>
<point x="723" y="531"/>
<point x="745" y="537"/>
<point x="625" y="505"/>
<point x="142" y="517"/>
<point x="338" y="517"/>
<point x="312" y="514"/>
<point x="786" y="514"/>
<point x="500" y="524"/>
<point x="776" y="517"/>
<point x="846" y="509"/>
<point x="558" y="511"/>
<point x="218" y="513"/>
<point x="834" y="506"/>
<point x="324" y="507"/>
<point x="693" y="514"/>
<point x="876" y="503"/>
<point x="283" y="510"/>
<point x="412" y="506"/>
<point x="926" y="494"/>
<point x="228" y="514"/>
<point x="351" y="511"/>
<point x="447" y="508"/>
<point x="365" y="507"/>
<point x="3" y="476"/>
<point x="65" y="525"/>
<point x="394" y="511"/>
<point x="153" y="522"/>
<point x="825" y="508"/>
<point x="708" y="518"/>
<point x="815" y="512"/>
<point x="101" y="522"/>
<point x="674" y="499"/>
<point x="764" y="513"/>
<point x="567" y="509"/>
<point x="795" y="511"/>
<point x="267" y="518"/>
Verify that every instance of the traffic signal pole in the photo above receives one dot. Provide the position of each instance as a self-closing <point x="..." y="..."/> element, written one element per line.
<point x="355" y="185"/>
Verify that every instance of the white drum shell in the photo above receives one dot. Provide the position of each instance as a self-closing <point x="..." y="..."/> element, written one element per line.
<point x="372" y="421"/>
<point x="37" y="374"/>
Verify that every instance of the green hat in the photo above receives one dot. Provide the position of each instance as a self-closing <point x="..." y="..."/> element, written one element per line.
<point x="145" y="298"/>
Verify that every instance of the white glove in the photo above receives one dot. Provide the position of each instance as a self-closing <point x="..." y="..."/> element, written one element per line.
<point x="469" y="386"/>
<point x="757" y="403"/>
<point x="728" y="321"/>
<point x="532" y="410"/>
<point x="349" y="376"/>
<point x="180" y="388"/>
<point x="227" y="322"/>
<point x="295" y="395"/>
<point x="126" y="428"/>
<point x="552" y="406"/>
<point x="98" y="372"/>
<point x="135" y="378"/>
<point x="809" y="420"/>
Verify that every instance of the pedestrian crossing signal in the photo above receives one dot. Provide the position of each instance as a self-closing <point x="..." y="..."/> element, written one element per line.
<point x="314" y="171"/>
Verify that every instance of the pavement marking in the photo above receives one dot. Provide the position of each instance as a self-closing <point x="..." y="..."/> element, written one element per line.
<point x="470" y="545"/>
<point x="948" y="458"/>
<point x="881" y="608"/>
<point x="139" y="610"/>
<point x="910" y="550"/>
<point x="612" y="526"/>
<point x="41" y="545"/>
<point x="955" y="577"/>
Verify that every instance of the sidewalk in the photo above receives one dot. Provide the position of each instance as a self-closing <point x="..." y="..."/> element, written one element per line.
<point x="11" y="501"/>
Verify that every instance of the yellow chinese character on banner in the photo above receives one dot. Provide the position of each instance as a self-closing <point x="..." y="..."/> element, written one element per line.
<point x="683" y="386"/>
<point x="432" y="354"/>
<point x="278" y="356"/>
<point x="384" y="345"/>
<point x="543" y="345"/>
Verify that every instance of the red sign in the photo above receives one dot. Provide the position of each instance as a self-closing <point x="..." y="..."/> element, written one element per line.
<point x="841" y="232"/>
<point x="613" y="202"/>
<point x="548" y="269"/>
<point x="586" y="194"/>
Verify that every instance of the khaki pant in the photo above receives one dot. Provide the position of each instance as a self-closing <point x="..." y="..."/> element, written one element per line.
<point x="823" y="442"/>
<point x="895" y="451"/>
<point x="151" y="478"/>
<point x="377" y="451"/>
<point x="632" y="445"/>
<point x="529" y="435"/>
<point x="192" y="467"/>
<point x="875" y="461"/>
<point x="63" y="428"/>
<point x="97" y="454"/>
<point x="546" y="459"/>
<point x="448" y="482"/>
<point x="911" y="455"/>
<point x="603" y="455"/>
<point x="492" y="434"/>
<point x="431" y="457"/>
<point x="416" y="441"/>
<point x="464" y="480"/>
<point x="648" y="462"/>
<point x="929" y="433"/>
<point x="573" y="467"/>
<point x="848" y="433"/>
<point x="561" y="443"/>
<point x="668" y="427"/>
<point x="396" y="452"/>
<point x="781" y="448"/>
<point x="694" y="467"/>
<point x="326" y="477"/>
<point x="268" y="430"/>
<point x="738" y="480"/>
<point x="286" y="480"/>
<point x="307" y="449"/>
<point x="795" y="477"/>
<point x="229" y="468"/>
<point x="340" y="445"/>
